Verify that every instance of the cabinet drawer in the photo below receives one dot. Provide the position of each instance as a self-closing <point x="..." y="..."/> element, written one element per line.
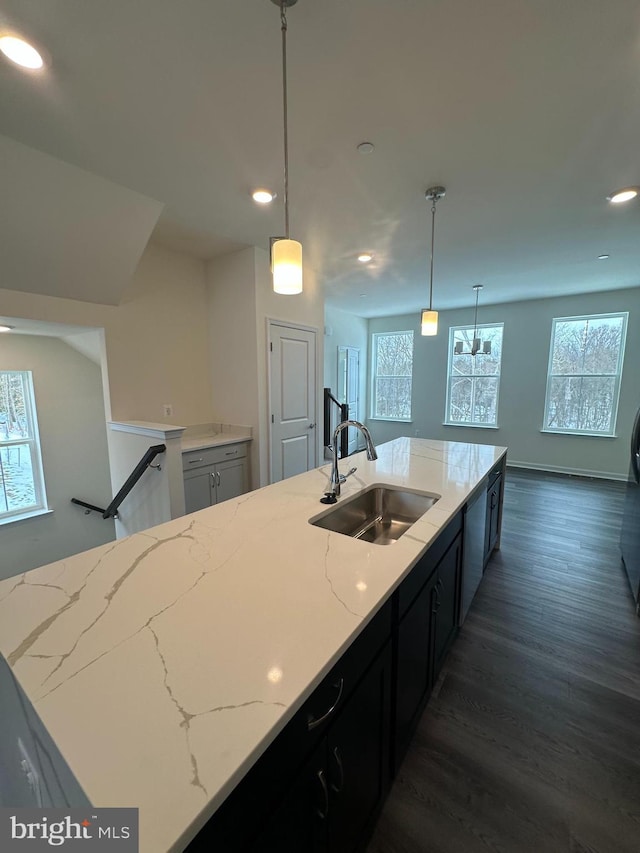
<point x="493" y="475"/>
<point x="213" y="455"/>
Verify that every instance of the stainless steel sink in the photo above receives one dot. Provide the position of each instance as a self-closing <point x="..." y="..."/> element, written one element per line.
<point x="379" y="514"/>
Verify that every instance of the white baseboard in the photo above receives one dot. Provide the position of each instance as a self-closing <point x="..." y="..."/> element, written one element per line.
<point x="576" y="472"/>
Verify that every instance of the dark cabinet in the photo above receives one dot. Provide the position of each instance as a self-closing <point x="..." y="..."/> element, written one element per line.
<point x="335" y="798"/>
<point x="414" y="667"/>
<point x="494" y="513"/>
<point x="446" y="602"/>
<point x="427" y="625"/>
<point x="321" y="783"/>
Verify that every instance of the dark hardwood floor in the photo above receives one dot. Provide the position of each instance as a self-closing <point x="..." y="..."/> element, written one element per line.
<point x="531" y="739"/>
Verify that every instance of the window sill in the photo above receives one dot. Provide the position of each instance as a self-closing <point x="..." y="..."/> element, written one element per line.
<point x="577" y="434"/>
<point x="470" y="426"/>
<point x="14" y="519"/>
<point x="392" y="420"/>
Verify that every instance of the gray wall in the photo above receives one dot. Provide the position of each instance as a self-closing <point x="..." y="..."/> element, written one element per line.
<point x="527" y="334"/>
<point x="347" y="330"/>
<point x="70" y="407"/>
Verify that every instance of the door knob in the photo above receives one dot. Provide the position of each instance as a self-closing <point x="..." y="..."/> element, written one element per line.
<point x="311" y="426"/>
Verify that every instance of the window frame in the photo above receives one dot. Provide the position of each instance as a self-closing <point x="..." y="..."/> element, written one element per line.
<point x="450" y="362"/>
<point x="624" y="315"/>
<point x="374" y="353"/>
<point x="33" y="441"/>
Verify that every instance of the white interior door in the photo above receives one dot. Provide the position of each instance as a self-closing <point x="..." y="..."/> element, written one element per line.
<point x="292" y="374"/>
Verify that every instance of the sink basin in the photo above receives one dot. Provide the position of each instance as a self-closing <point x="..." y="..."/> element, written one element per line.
<point x="379" y="514"/>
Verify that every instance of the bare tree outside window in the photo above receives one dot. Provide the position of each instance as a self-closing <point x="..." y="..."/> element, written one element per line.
<point x="585" y="365"/>
<point x="392" y="354"/>
<point x="474" y="380"/>
<point x="21" y="489"/>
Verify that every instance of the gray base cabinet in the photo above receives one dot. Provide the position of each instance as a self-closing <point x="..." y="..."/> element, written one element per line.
<point x="214" y="474"/>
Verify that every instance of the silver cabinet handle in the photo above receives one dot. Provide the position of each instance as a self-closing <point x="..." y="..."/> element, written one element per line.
<point x="218" y="476"/>
<point x="192" y="461"/>
<point x="438" y="602"/>
<point x="313" y="722"/>
<point x="231" y="453"/>
<point x="340" y="784"/>
<point x="322" y="813"/>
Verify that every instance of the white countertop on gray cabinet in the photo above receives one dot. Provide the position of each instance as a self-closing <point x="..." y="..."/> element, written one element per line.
<point x="163" y="664"/>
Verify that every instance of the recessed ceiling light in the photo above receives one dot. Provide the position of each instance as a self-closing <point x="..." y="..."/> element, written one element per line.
<point x="365" y="257"/>
<point x="21" y="52"/>
<point x="5" y="328"/>
<point x="362" y="295"/>
<point x="263" y="196"/>
<point x="366" y="147"/>
<point x="625" y="194"/>
<point x="603" y="257"/>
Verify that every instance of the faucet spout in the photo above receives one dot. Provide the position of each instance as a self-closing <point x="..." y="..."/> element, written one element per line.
<point x="371" y="451"/>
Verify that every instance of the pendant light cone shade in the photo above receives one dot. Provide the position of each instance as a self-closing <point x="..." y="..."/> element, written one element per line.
<point x="286" y="266"/>
<point x="428" y="322"/>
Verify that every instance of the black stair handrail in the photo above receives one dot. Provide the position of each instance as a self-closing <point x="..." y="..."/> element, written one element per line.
<point x="112" y="510"/>
<point x="344" y="416"/>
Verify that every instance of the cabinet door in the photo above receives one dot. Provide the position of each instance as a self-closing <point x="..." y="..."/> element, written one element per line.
<point x="446" y="618"/>
<point x="358" y="758"/>
<point x="300" y="823"/>
<point x="231" y="479"/>
<point x="199" y="489"/>
<point x="493" y="516"/>
<point x="414" y="666"/>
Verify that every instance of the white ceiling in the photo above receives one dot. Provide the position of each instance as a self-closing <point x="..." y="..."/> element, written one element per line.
<point x="528" y="111"/>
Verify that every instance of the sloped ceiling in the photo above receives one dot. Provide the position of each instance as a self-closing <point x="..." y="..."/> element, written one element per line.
<point x="66" y="232"/>
<point x="528" y="111"/>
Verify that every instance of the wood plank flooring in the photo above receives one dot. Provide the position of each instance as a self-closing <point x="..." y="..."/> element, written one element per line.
<point x="531" y="739"/>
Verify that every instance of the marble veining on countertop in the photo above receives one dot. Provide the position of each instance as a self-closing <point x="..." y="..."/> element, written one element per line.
<point x="163" y="664"/>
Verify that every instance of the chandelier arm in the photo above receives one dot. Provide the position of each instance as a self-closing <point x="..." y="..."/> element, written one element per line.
<point x="283" y="27"/>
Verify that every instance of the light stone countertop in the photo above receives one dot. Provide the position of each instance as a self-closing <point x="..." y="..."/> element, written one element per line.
<point x="163" y="664"/>
<point x="201" y="442"/>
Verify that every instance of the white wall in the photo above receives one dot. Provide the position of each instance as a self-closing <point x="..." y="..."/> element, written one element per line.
<point x="70" y="408"/>
<point x="156" y="340"/>
<point x="241" y="301"/>
<point x="527" y="333"/>
<point x="231" y="289"/>
<point x="347" y="330"/>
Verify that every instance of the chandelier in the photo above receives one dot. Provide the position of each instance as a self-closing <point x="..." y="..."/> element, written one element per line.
<point x="478" y="347"/>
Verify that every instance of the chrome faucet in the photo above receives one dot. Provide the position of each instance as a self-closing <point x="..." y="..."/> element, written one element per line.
<point x="336" y="477"/>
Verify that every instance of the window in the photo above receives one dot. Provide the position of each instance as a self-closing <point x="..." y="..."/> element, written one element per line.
<point x="21" y="481"/>
<point x="474" y="380"/>
<point x="392" y="354"/>
<point x="583" y="383"/>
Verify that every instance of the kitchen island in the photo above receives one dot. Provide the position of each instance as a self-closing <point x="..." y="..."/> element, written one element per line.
<point x="163" y="665"/>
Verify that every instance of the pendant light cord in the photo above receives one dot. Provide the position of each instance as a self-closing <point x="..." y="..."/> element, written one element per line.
<point x="433" y="231"/>
<point x="475" y="316"/>
<point x="283" y="20"/>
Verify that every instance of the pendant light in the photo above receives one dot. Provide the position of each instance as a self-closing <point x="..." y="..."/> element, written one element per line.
<point x="286" y="254"/>
<point x="429" y="317"/>
<point x="478" y="347"/>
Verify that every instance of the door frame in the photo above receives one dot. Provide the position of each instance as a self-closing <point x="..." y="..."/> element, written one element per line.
<point x="302" y="327"/>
